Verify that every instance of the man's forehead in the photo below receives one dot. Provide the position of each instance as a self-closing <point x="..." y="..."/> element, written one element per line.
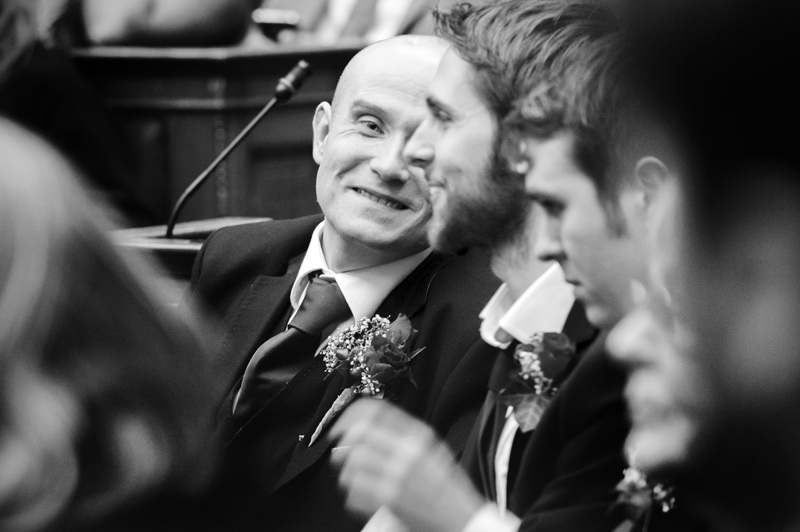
<point x="394" y="107"/>
<point x="385" y="91"/>
<point x="454" y="83"/>
<point x="405" y="61"/>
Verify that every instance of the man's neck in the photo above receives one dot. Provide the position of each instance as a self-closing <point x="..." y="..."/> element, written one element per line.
<point x="345" y="255"/>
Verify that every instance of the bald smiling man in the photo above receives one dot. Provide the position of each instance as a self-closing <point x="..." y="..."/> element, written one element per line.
<point x="371" y="242"/>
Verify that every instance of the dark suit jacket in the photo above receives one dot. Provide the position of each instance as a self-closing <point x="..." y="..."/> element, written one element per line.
<point x="275" y="481"/>
<point x="562" y="474"/>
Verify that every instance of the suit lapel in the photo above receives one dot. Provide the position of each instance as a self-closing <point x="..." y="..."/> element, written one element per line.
<point x="577" y="327"/>
<point x="410" y="295"/>
<point x="262" y="311"/>
<point x="580" y="331"/>
<point x="408" y="298"/>
<point x="491" y="421"/>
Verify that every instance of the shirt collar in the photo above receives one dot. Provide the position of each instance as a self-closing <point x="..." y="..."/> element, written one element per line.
<point x="364" y="289"/>
<point x="543" y="307"/>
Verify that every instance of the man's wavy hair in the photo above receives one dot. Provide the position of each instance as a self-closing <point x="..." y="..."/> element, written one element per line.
<point x="512" y="44"/>
<point x="519" y="47"/>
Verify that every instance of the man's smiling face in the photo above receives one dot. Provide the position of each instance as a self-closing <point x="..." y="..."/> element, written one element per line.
<point x="372" y="200"/>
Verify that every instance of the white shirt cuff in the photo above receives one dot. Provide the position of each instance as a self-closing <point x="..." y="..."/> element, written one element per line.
<point x="489" y="519"/>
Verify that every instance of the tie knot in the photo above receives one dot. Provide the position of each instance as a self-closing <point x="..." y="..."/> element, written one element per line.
<point x="323" y="306"/>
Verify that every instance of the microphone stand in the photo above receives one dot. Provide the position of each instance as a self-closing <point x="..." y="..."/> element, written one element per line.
<point x="286" y="88"/>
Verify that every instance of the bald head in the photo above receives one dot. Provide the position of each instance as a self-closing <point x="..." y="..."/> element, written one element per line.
<point x="375" y="203"/>
<point x="406" y="57"/>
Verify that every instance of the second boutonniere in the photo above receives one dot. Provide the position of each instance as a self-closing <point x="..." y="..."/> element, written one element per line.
<point x="541" y="367"/>
<point x="373" y="358"/>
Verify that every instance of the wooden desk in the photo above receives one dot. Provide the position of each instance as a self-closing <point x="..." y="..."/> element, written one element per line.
<point x="182" y="106"/>
<point x="173" y="257"/>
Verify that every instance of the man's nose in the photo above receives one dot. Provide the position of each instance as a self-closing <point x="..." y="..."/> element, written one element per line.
<point x="548" y="242"/>
<point x="419" y="148"/>
<point x="389" y="164"/>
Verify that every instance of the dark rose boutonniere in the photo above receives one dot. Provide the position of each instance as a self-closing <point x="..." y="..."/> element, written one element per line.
<point x="372" y="356"/>
<point x="542" y="367"/>
<point x="638" y="496"/>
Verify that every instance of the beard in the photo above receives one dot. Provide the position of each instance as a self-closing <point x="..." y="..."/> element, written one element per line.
<point x="492" y="217"/>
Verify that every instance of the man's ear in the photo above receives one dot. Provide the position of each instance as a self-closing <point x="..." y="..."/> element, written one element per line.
<point x="321" y="126"/>
<point x="651" y="173"/>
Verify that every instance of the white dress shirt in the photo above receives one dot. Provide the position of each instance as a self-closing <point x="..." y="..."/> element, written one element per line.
<point x="363" y="289"/>
<point x="543" y="307"/>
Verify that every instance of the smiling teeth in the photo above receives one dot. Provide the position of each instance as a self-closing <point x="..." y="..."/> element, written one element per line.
<point x="382" y="201"/>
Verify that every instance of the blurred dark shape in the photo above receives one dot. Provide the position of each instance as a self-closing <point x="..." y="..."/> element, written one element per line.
<point x="273" y="21"/>
<point x="41" y="89"/>
<point x="105" y="394"/>
<point x="726" y="75"/>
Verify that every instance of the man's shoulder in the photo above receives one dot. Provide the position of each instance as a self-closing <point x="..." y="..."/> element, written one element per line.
<point x="272" y="235"/>
<point x="594" y="388"/>
<point x="233" y="257"/>
<point x="469" y="271"/>
<point x="261" y="243"/>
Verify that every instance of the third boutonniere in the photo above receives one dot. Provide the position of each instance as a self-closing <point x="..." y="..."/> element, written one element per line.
<point x="541" y="366"/>
<point x="373" y="357"/>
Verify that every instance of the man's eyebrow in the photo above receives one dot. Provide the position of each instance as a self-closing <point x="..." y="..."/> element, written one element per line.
<point x="361" y="106"/>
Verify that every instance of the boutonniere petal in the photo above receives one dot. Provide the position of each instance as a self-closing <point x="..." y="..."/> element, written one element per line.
<point x="540" y="368"/>
<point x="372" y="356"/>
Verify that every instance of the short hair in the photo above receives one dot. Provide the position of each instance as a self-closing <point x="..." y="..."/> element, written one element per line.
<point x="597" y="98"/>
<point x="511" y="44"/>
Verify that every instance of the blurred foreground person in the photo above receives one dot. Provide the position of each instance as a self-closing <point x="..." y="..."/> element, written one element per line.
<point x="739" y="248"/>
<point x="655" y="342"/>
<point x="104" y="396"/>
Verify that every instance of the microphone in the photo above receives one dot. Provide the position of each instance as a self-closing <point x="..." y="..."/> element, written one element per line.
<point x="286" y="88"/>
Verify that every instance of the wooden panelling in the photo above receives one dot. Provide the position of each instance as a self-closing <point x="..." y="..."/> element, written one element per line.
<point x="181" y="108"/>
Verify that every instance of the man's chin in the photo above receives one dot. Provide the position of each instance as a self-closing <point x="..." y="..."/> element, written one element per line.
<point x="661" y="449"/>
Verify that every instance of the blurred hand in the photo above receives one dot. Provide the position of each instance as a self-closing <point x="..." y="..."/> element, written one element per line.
<point x="388" y="458"/>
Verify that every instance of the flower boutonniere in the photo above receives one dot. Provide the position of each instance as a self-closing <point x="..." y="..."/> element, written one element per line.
<point x="638" y="495"/>
<point x="542" y="366"/>
<point x="372" y="356"/>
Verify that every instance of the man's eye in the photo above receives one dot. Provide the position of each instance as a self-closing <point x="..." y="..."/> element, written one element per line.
<point x="440" y="116"/>
<point x="552" y="208"/>
<point x="371" y="125"/>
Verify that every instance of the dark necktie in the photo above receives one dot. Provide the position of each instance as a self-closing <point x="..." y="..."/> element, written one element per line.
<point x="496" y="421"/>
<point x="281" y="357"/>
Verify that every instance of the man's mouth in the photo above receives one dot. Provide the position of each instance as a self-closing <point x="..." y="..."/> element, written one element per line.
<point x="383" y="200"/>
